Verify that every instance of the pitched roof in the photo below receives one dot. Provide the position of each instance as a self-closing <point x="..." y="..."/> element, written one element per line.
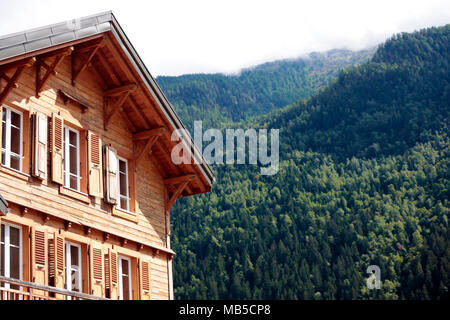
<point x="23" y="44"/>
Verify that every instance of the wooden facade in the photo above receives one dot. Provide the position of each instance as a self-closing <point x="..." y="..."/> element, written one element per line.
<point x="90" y="181"/>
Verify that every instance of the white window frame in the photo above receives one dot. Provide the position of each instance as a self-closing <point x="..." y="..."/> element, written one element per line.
<point x="68" y="267"/>
<point x="7" y="245"/>
<point x="7" y="150"/>
<point x="67" y="145"/>
<point x="120" y="258"/>
<point x="120" y="196"/>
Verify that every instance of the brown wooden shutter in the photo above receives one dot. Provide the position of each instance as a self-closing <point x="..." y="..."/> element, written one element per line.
<point x="113" y="274"/>
<point x="39" y="256"/>
<point x="40" y="146"/>
<point x="111" y="172"/>
<point x="96" y="270"/>
<point x="59" y="255"/>
<point x="57" y="149"/>
<point x="144" y="270"/>
<point x="1" y="130"/>
<point x="95" y="165"/>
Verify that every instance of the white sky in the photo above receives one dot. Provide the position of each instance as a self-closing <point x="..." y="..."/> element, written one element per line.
<point x="193" y="36"/>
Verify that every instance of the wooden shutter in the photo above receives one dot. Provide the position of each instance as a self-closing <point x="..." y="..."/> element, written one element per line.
<point x="57" y="149"/>
<point x="96" y="270"/>
<point x="111" y="175"/>
<point x="39" y="256"/>
<point x="40" y="146"/>
<point x="59" y="254"/>
<point x="144" y="276"/>
<point x="95" y="165"/>
<point x="113" y="274"/>
<point x="39" y="259"/>
<point x="1" y="130"/>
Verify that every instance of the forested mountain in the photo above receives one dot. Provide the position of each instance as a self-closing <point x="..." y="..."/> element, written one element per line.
<point x="217" y="99"/>
<point x="364" y="180"/>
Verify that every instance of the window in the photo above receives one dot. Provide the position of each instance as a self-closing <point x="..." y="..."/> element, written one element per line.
<point x="11" y="253"/>
<point x="12" y="131"/>
<point x="71" y="159"/>
<point x="124" y="278"/>
<point x="73" y="267"/>
<point x="122" y="185"/>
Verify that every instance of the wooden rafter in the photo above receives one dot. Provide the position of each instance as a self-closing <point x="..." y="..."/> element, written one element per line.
<point x="139" y="114"/>
<point x="150" y="137"/>
<point x="85" y="60"/>
<point x="11" y="81"/>
<point x="178" y="185"/>
<point x="121" y="89"/>
<point x="126" y="117"/>
<point x="50" y="69"/>
<point x="117" y="106"/>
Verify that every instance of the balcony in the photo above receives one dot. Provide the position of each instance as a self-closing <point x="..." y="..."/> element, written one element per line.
<point x="13" y="289"/>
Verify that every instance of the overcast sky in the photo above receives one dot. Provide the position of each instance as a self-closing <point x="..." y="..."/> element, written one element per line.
<point x="191" y="36"/>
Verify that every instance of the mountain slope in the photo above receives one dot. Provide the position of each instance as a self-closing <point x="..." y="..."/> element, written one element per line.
<point x="364" y="180"/>
<point x="219" y="98"/>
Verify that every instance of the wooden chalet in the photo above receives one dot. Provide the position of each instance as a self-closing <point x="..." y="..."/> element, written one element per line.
<point x="86" y="166"/>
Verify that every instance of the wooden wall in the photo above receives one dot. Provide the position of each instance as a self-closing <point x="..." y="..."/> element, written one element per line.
<point x="45" y="197"/>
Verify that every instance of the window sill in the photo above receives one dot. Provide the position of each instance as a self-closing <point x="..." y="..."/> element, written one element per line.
<point x="15" y="173"/>
<point x="128" y="215"/>
<point x="75" y="194"/>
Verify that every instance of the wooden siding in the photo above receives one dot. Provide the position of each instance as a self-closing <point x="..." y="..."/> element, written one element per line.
<point x="44" y="196"/>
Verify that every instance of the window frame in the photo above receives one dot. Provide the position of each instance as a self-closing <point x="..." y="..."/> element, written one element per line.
<point x="68" y="266"/>
<point x="66" y="155"/>
<point x="7" y="253"/>
<point x="127" y="177"/>
<point x="120" y="274"/>
<point x="7" y="149"/>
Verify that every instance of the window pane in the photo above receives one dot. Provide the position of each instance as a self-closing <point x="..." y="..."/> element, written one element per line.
<point x="124" y="266"/>
<point x="73" y="182"/>
<point x="3" y="157"/>
<point x="124" y="203"/>
<point x="4" y="115"/>
<point x="14" y="236"/>
<point x="72" y="138"/>
<point x="74" y="278"/>
<point x="15" y="119"/>
<point x="125" y="288"/>
<point x="2" y="260"/>
<point x="14" y="267"/>
<point x="122" y="166"/>
<point x="3" y="133"/>
<point x="2" y="251"/>
<point x="74" y="255"/>
<point x="15" y="140"/>
<point x="15" y="162"/>
<point x="123" y="184"/>
<point x="73" y="160"/>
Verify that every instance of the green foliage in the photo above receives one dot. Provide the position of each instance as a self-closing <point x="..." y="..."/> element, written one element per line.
<point x="364" y="180"/>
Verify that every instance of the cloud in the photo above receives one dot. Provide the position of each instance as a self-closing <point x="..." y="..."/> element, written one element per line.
<point x="177" y="37"/>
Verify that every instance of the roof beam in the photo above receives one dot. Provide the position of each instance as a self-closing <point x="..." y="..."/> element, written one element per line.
<point x="180" y="183"/>
<point x="59" y="55"/>
<point x="143" y="135"/>
<point x="115" y="108"/>
<point x="11" y="84"/>
<point x="79" y="52"/>
<point x="118" y="90"/>
<point x="25" y="62"/>
<point x="179" y="179"/>
<point x="150" y="137"/>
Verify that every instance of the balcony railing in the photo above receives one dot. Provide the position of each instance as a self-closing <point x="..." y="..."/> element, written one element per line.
<point x="13" y="289"/>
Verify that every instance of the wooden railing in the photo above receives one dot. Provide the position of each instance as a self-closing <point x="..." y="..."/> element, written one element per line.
<point x="13" y="289"/>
